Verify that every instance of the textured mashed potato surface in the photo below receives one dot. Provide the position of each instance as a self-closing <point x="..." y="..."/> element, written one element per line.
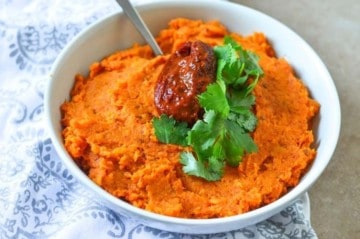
<point x="108" y="131"/>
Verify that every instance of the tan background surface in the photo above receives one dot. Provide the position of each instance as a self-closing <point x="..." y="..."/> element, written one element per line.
<point x="332" y="28"/>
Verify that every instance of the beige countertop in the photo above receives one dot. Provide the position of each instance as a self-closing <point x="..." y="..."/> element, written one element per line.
<point x="332" y="28"/>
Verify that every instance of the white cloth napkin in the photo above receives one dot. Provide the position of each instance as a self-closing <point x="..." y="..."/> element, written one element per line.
<point x="39" y="198"/>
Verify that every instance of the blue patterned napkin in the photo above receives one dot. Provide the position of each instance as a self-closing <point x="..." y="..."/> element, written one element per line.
<point x="39" y="198"/>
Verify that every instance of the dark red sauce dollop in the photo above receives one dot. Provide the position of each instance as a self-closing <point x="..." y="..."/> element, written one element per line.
<point x="185" y="75"/>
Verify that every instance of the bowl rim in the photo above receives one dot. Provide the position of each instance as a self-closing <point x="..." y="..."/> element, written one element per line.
<point x="261" y="212"/>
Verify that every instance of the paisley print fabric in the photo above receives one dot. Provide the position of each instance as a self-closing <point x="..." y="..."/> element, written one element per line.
<point x="39" y="197"/>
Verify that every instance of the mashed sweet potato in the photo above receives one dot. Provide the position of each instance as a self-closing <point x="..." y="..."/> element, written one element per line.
<point x="108" y="131"/>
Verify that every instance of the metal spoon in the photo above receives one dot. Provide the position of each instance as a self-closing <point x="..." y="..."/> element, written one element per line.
<point x="136" y="19"/>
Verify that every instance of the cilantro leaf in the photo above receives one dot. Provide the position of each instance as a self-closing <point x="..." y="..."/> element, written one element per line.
<point x="247" y="121"/>
<point x="204" y="134"/>
<point x="229" y="41"/>
<point x="213" y="171"/>
<point x="236" y="65"/>
<point x="252" y="66"/>
<point x="239" y="100"/>
<point x="169" y="131"/>
<point x="228" y="64"/>
<point x="233" y="153"/>
<point x="214" y="98"/>
<point x="238" y="136"/>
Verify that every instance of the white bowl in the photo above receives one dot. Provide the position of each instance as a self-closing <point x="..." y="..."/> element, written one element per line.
<point x="116" y="32"/>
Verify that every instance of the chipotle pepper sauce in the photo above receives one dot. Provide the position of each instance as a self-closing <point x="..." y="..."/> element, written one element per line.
<point x="186" y="74"/>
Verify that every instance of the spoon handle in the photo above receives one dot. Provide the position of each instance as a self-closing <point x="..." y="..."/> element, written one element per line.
<point x="135" y="18"/>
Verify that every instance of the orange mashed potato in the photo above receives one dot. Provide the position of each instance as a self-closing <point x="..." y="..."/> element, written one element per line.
<point x="108" y="131"/>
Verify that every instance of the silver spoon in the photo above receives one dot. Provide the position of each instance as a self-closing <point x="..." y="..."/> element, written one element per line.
<point x="136" y="19"/>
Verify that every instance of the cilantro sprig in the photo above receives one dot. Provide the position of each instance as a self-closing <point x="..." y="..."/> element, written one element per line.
<point x="169" y="131"/>
<point x="222" y="136"/>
